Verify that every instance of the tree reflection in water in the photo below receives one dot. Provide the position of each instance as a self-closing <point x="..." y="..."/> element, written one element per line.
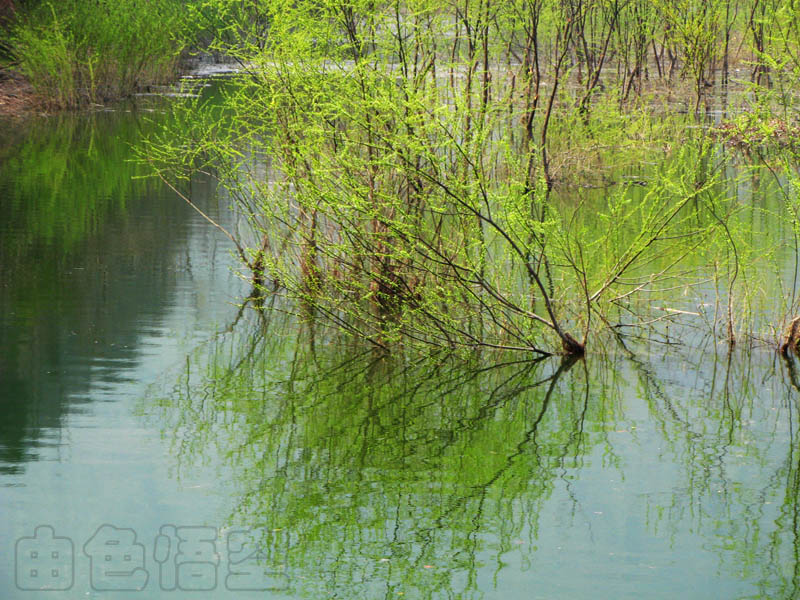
<point x="370" y="475"/>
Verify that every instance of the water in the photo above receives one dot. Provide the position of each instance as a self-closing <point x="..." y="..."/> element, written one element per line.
<point x="106" y="281"/>
<point x="135" y="395"/>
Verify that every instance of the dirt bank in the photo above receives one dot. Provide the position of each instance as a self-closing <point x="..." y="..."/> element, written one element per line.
<point x="16" y="96"/>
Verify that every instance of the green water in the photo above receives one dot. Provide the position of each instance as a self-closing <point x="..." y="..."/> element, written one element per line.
<point x="136" y="395"/>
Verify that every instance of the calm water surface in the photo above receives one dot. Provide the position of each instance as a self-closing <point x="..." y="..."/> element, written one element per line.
<point x="136" y="396"/>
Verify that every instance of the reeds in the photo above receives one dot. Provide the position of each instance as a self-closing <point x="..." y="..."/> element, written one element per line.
<point x="76" y="52"/>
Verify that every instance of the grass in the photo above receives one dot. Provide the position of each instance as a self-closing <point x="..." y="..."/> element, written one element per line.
<point x="76" y="52"/>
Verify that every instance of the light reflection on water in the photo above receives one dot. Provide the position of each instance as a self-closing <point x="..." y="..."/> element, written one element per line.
<point x="128" y="399"/>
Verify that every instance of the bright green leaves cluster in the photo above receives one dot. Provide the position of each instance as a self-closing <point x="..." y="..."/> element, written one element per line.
<point x="398" y="167"/>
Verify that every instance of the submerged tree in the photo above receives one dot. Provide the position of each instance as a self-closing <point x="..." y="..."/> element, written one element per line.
<point x="396" y="164"/>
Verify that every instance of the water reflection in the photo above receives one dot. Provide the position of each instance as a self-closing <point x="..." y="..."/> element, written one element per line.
<point x="647" y="470"/>
<point x="372" y="476"/>
<point x="371" y="472"/>
<point x="92" y="260"/>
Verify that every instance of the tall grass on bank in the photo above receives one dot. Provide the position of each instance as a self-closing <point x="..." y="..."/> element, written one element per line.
<point x="75" y="52"/>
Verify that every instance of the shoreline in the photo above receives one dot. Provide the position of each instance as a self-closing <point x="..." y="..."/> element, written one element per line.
<point x="17" y="98"/>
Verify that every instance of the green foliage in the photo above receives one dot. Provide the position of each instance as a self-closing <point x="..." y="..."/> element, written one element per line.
<point x="405" y="198"/>
<point x="75" y="52"/>
<point x="412" y="172"/>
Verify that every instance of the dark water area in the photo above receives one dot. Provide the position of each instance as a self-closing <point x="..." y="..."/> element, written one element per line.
<point x="158" y="442"/>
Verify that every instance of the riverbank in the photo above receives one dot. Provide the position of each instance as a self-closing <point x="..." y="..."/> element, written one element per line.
<point x="17" y="97"/>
